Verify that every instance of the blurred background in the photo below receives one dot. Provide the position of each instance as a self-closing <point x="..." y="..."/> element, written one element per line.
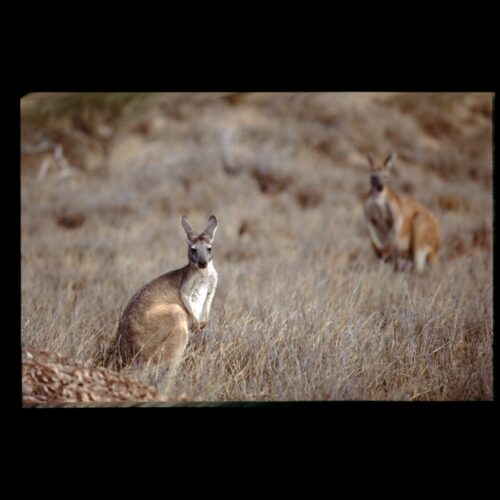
<point x="105" y="178"/>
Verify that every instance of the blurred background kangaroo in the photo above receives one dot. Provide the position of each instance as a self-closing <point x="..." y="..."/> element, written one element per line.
<point x="398" y="225"/>
<point x="156" y="322"/>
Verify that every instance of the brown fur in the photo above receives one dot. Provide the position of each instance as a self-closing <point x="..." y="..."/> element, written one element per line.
<point x="155" y="324"/>
<point x="418" y="227"/>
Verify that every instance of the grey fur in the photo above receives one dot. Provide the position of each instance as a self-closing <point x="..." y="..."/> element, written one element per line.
<point x="156" y="322"/>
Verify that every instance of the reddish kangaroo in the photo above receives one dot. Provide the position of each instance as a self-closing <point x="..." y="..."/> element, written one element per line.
<point x="398" y="225"/>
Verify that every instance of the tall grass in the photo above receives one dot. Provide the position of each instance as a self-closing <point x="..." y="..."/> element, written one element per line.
<point x="303" y="310"/>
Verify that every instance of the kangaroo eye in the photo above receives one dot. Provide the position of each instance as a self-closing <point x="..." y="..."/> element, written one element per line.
<point x="193" y="249"/>
<point x="209" y="249"/>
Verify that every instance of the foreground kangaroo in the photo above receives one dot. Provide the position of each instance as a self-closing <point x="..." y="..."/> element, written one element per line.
<point x="398" y="225"/>
<point x="156" y="322"/>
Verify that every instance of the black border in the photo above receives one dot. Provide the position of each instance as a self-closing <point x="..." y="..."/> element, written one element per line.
<point x="348" y="446"/>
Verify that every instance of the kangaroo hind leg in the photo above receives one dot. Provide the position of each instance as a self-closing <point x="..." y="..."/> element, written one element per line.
<point x="420" y="247"/>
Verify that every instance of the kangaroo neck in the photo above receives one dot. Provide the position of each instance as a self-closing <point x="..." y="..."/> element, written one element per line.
<point x="387" y="195"/>
<point x="392" y="196"/>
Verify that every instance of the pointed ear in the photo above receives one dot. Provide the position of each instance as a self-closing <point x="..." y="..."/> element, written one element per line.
<point x="187" y="227"/>
<point x="369" y="157"/>
<point x="211" y="228"/>
<point x="390" y="160"/>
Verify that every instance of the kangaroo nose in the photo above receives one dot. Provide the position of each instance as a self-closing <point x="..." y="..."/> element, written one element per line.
<point x="202" y="264"/>
<point x="377" y="183"/>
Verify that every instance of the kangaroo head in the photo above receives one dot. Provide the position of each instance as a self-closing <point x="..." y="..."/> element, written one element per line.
<point x="379" y="172"/>
<point x="200" y="245"/>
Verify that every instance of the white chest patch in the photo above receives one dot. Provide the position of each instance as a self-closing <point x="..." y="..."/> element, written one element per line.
<point x="379" y="219"/>
<point x="197" y="297"/>
<point x="197" y="291"/>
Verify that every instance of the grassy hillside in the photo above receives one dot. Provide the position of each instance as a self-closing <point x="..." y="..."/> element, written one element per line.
<point x="303" y="310"/>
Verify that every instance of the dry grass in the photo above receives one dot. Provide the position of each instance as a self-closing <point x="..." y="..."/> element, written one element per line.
<point x="303" y="310"/>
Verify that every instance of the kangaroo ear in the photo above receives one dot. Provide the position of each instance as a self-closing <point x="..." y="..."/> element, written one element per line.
<point x="211" y="228"/>
<point x="390" y="160"/>
<point x="187" y="227"/>
<point x="369" y="157"/>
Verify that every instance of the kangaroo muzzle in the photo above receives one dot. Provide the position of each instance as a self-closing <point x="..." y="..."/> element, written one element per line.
<point x="377" y="183"/>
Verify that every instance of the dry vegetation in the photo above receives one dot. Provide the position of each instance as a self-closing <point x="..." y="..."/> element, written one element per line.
<point x="303" y="310"/>
<point x="48" y="377"/>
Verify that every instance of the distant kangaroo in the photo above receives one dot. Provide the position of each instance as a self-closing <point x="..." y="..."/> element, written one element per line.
<point x="156" y="322"/>
<point x="398" y="225"/>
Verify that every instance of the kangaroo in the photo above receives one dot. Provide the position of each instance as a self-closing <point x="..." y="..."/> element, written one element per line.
<point x="398" y="225"/>
<point x="156" y="322"/>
